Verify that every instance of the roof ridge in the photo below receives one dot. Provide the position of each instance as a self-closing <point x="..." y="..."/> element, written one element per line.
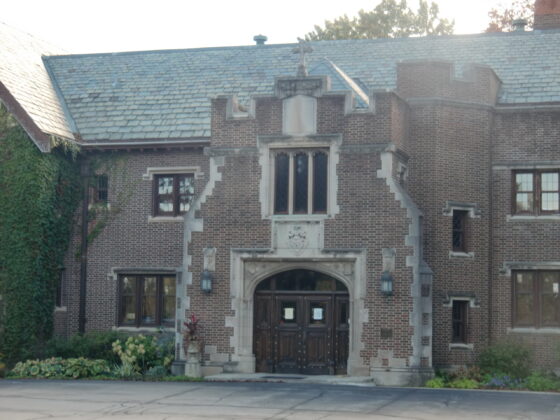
<point x="322" y="42"/>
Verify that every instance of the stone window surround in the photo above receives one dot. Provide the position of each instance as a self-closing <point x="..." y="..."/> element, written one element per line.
<point x="506" y="271"/>
<point x="268" y="144"/>
<point x="473" y="212"/>
<point x="537" y="305"/>
<point x="170" y="170"/>
<point x="473" y="303"/>
<point x="113" y="276"/>
<point x="529" y="166"/>
<point x="536" y="191"/>
<point x="292" y="153"/>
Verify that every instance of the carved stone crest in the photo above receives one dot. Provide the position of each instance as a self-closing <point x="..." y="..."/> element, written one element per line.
<point x="309" y="86"/>
<point x="297" y="237"/>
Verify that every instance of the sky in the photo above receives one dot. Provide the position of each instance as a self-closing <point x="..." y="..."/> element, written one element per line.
<point x="86" y="26"/>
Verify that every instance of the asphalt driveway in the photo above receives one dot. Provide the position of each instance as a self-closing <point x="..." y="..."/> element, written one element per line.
<point x="41" y="399"/>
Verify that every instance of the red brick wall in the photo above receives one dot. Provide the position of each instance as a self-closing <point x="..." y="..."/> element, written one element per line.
<point x="522" y="138"/>
<point x="370" y="217"/>
<point x="128" y="240"/>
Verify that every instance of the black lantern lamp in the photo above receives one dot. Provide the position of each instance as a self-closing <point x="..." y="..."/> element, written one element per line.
<point x="206" y="279"/>
<point x="386" y="283"/>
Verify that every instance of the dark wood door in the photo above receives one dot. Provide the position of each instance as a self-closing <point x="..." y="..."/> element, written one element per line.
<point x="301" y="331"/>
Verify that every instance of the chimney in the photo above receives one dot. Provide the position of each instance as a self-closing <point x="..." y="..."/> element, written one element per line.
<point x="260" y="39"/>
<point x="547" y="14"/>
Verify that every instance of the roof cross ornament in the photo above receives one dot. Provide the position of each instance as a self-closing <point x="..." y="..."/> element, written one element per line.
<point x="302" y="49"/>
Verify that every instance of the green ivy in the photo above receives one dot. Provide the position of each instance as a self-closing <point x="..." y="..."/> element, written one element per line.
<point x="39" y="194"/>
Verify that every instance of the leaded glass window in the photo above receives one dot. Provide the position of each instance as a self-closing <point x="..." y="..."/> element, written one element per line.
<point x="173" y="194"/>
<point x="536" y="192"/>
<point x="147" y="300"/>
<point x="300" y="181"/>
<point x="536" y="298"/>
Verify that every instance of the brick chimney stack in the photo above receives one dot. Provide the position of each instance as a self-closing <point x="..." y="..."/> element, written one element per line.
<point x="547" y="14"/>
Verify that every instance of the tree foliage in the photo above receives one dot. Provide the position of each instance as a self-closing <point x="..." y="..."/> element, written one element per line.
<point x="389" y="19"/>
<point x="38" y="195"/>
<point x="502" y="16"/>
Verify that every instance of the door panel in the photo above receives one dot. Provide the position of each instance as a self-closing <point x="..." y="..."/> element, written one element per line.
<point x="263" y="340"/>
<point x="317" y="335"/>
<point x="341" y="335"/>
<point x="287" y="334"/>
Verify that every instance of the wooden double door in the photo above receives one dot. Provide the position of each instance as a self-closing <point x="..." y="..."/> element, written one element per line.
<point x="301" y="331"/>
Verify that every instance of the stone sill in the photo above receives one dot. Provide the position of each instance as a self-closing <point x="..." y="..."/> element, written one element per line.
<point x="453" y="254"/>
<point x="529" y="218"/>
<point x="461" y="346"/>
<point x="156" y="219"/>
<point x="518" y="330"/>
<point x="60" y="309"/>
<point x="299" y="217"/>
<point x="144" y="329"/>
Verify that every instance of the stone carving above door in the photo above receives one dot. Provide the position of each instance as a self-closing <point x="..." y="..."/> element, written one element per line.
<point x="296" y="237"/>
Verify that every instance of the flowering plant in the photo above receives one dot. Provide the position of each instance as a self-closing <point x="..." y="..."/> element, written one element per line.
<point x="191" y="328"/>
<point x="138" y="351"/>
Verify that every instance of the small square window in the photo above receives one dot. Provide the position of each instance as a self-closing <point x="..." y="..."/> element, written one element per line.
<point x="173" y="194"/>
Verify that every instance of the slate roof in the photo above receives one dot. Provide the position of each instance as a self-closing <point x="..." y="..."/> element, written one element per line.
<point x="158" y="95"/>
<point x="23" y="74"/>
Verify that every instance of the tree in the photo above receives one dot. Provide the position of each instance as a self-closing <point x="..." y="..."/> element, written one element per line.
<point x="389" y="19"/>
<point x="502" y="17"/>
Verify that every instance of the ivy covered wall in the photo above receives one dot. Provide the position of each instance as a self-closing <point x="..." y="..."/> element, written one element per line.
<point x="38" y="197"/>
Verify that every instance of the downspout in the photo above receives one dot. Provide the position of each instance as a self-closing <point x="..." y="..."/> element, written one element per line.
<point x="491" y="228"/>
<point x="84" y="172"/>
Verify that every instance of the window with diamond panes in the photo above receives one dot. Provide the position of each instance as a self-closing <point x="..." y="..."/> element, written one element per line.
<point x="173" y="194"/>
<point x="300" y="182"/>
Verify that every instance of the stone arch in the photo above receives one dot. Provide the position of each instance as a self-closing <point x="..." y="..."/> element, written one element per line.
<point x="250" y="266"/>
<point x="301" y="322"/>
<point x="303" y="265"/>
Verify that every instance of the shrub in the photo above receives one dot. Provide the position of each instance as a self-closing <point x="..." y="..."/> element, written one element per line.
<point x="507" y="358"/>
<point x="59" y="367"/>
<point x="91" y="345"/>
<point x="472" y="372"/>
<point x="145" y="352"/>
<point x="2" y="366"/>
<point x="156" y="372"/>
<point x="436" y="383"/>
<point x="464" y="383"/>
<point x="126" y="370"/>
<point x="540" y="382"/>
<point x="503" y="381"/>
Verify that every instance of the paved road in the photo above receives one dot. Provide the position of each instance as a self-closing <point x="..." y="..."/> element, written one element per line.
<point x="27" y="400"/>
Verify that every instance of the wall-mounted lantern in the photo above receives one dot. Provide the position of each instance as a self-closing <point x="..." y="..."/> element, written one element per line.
<point x="206" y="280"/>
<point x="386" y="283"/>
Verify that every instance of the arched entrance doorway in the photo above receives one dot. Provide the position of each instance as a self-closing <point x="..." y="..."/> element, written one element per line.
<point x="301" y="324"/>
